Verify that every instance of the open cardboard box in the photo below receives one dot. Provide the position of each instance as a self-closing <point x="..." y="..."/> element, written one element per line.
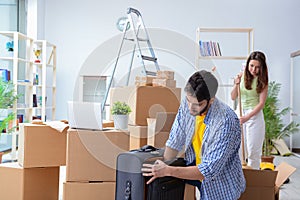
<point x="265" y="184"/>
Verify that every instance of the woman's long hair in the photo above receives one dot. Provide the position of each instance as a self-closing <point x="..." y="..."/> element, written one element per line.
<point x="262" y="78"/>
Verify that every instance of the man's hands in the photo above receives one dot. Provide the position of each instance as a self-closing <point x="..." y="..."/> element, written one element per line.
<point x="158" y="169"/>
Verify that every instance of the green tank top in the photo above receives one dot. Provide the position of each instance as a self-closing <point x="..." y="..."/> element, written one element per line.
<point x="249" y="98"/>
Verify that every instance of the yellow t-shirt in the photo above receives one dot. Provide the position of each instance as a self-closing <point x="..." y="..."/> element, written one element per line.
<point x="198" y="137"/>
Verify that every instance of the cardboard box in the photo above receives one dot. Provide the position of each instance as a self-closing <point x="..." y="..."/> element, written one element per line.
<point x="164" y="83"/>
<point x="264" y="184"/>
<point x="146" y="101"/>
<point x="144" y="80"/>
<point x="89" y="191"/>
<point x="159" y="128"/>
<point x="138" y="136"/>
<point x="41" y="146"/>
<point x="108" y="124"/>
<point x="189" y="192"/>
<point x="92" y="155"/>
<point x="165" y="74"/>
<point x="18" y="183"/>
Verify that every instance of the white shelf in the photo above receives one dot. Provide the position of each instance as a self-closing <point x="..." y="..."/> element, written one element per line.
<point x="235" y="44"/>
<point x="22" y="66"/>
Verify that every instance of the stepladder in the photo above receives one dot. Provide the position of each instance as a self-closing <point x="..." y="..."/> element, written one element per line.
<point x="137" y="37"/>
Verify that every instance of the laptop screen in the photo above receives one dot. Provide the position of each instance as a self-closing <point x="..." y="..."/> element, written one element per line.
<point x="85" y="115"/>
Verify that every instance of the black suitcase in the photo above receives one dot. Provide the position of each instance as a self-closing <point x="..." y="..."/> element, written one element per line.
<point x="131" y="185"/>
<point x="167" y="188"/>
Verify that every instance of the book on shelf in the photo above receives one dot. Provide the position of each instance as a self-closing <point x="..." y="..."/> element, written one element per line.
<point x="209" y="48"/>
<point x="4" y="75"/>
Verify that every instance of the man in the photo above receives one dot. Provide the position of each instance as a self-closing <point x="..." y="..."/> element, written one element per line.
<point x="209" y="131"/>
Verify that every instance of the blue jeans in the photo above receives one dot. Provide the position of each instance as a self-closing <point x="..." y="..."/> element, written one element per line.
<point x="195" y="183"/>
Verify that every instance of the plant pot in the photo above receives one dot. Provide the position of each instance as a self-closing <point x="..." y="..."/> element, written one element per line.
<point x="121" y="122"/>
<point x="269" y="159"/>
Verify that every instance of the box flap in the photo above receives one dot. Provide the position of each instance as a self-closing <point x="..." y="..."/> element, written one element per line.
<point x="260" y="178"/>
<point x="284" y="171"/>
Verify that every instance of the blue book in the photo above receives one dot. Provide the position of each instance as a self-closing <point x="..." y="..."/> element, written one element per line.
<point x="4" y="75"/>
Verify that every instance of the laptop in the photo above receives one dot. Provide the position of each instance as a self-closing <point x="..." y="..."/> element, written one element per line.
<point x="85" y="115"/>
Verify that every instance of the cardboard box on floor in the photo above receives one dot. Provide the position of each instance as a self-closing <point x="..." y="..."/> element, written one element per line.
<point x="92" y="155"/>
<point x="138" y="136"/>
<point x="146" y="101"/>
<point x="18" y="183"/>
<point x="265" y="184"/>
<point x="89" y="191"/>
<point x="41" y="146"/>
<point x="159" y="128"/>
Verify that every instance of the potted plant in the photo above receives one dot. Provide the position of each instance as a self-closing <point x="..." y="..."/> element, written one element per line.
<point x="7" y="99"/>
<point x="275" y="128"/>
<point x="120" y="112"/>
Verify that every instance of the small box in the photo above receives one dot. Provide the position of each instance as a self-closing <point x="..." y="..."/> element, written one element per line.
<point x="92" y="155"/>
<point x="18" y="183"/>
<point x="164" y="83"/>
<point x="144" y="80"/>
<point x="165" y="75"/>
<point x="41" y="146"/>
<point x="146" y="101"/>
<point x="265" y="184"/>
<point x="138" y="136"/>
<point x="108" y="124"/>
<point x="89" y="191"/>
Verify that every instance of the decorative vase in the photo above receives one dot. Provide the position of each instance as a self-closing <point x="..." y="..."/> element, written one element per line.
<point x="121" y="122"/>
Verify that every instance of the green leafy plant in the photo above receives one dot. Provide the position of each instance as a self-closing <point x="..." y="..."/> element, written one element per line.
<point x="7" y="99"/>
<point x="275" y="128"/>
<point x="120" y="108"/>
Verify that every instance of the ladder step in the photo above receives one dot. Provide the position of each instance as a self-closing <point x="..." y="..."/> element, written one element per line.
<point x="149" y="58"/>
<point x="149" y="73"/>
<point x="139" y="39"/>
<point x="143" y="39"/>
<point x="130" y="39"/>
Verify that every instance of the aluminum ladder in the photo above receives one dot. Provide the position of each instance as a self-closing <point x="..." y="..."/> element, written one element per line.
<point x="135" y="25"/>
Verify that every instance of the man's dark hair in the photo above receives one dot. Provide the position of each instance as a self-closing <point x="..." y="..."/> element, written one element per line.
<point x="202" y="85"/>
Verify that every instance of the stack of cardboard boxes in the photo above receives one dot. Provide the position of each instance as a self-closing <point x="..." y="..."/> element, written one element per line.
<point x="35" y="176"/>
<point x="151" y="96"/>
<point x="91" y="163"/>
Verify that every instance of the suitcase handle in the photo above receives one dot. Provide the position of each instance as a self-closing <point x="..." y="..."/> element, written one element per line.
<point x="147" y="148"/>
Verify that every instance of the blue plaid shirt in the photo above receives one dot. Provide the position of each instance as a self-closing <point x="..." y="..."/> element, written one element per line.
<point x="221" y="164"/>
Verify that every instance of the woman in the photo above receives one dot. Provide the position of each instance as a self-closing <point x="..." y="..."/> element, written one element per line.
<point x="253" y="83"/>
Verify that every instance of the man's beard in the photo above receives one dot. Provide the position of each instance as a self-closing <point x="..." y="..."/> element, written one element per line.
<point x="195" y="113"/>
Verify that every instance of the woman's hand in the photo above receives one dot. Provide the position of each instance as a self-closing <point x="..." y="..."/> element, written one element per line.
<point x="158" y="169"/>
<point x="237" y="79"/>
<point x="243" y="119"/>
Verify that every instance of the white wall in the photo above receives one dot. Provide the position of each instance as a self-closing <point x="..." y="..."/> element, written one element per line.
<point x="79" y="29"/>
